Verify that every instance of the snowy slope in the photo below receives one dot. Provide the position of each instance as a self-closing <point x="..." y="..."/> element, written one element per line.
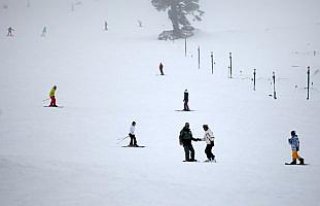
<point x="71" y="155"/>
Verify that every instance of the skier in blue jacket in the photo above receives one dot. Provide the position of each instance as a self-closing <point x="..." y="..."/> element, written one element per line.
<point x="295" y="147"/>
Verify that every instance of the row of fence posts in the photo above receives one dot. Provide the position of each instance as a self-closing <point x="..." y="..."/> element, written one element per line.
<point x="274" y="83"/>
<point x="230" y="67"/>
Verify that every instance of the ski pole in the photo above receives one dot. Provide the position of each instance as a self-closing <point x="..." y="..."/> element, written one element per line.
<point x="45" y="100"/>
<point x="123" y="139"/>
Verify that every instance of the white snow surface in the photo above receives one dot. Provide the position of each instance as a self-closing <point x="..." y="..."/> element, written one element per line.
<point x="107" y="79"/>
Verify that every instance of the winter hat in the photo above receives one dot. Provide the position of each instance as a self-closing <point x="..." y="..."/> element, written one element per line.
<point x="293" y="133"/>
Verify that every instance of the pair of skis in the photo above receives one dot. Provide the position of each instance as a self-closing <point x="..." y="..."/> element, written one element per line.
<point x="216" y="162"/>
<point x="131" y="146"/>
<point x="295" y="164"/>
<point x="45" y="100"/>
<point x="196" y="161"/>
<point x="54" y="106"/>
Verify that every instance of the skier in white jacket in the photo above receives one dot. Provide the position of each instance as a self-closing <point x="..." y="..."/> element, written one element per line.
<point x="209" y="138"/>
<point x="133" y="139"/>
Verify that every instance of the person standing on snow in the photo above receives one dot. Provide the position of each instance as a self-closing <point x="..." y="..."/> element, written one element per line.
<point x="185" y="140"/>
<point x="295" y="146"/>
<point x="161" y="68"/>
<point x="44" y="31"/>
<point x="186" y="100"/>
<point x="10" y="30"/>
<point x="105" y="25"/>
<point x="52" y="95"/>
<point x="209" y="138"/>
<point x="133" y="139"/>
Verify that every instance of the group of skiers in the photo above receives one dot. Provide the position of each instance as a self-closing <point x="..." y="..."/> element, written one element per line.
<point x="106" y="25"/>
<point x="185" y="95"/>
<point x="11" y="30"/>
<point x="44" y="30"/>
<point x="186" y="137"/>
<point x="185" y="140"/>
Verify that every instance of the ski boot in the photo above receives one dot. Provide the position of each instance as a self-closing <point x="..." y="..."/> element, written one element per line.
<point x="301" y="160"/>
<point x="294" y="162"/>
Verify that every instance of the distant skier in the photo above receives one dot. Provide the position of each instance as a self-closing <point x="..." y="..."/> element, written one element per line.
<point x="52" y="95"/>
<point x="10" y="30"/>
<point x="140" y="23"/>
<point x="133" y="139"/>
<point x="185" y="140"/>
<point x="295" y="146"/>
<point x="186" y="100"/>
<point x="44" y="31"/>
<point x="209" y="138"/>
<point x="105" y="25"/>
<point x="161" y="68"/>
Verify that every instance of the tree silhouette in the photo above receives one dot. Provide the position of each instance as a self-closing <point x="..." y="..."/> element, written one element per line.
<point x="177" y="13"/>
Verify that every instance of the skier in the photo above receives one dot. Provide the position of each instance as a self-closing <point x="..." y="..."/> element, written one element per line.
<point x="186" y="100"/>
<point x="161" y="68"/>
<point x="133" y="139"/>
<point x="44" y="31"/>
<point x="105" y="25"/>
<point x="10" y="30"/>
<point x="209" y="138"/>
<point x="295" y="145"/>
<point x="52" y="95"/>
<point x="185" y="139"/>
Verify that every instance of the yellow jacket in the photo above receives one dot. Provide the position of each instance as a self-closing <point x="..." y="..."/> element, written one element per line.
<point x="52" y="92"/>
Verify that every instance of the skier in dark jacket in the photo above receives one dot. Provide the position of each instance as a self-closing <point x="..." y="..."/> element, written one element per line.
<point x="161" y="68"/>
<point x="44" y="31"/>
<point x="10" y="30"/>
<point x="105" y="25"/>
<point x="185" y="139"/>
<point x="186" y="100"/>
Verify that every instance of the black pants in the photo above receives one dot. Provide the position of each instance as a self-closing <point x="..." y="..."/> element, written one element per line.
<point x="161" y="71"/>
<point x="189" y="152"/>
<point x="133" y="140"/>
<point x="208" y="152"/>
<point x="186" y="106"/>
